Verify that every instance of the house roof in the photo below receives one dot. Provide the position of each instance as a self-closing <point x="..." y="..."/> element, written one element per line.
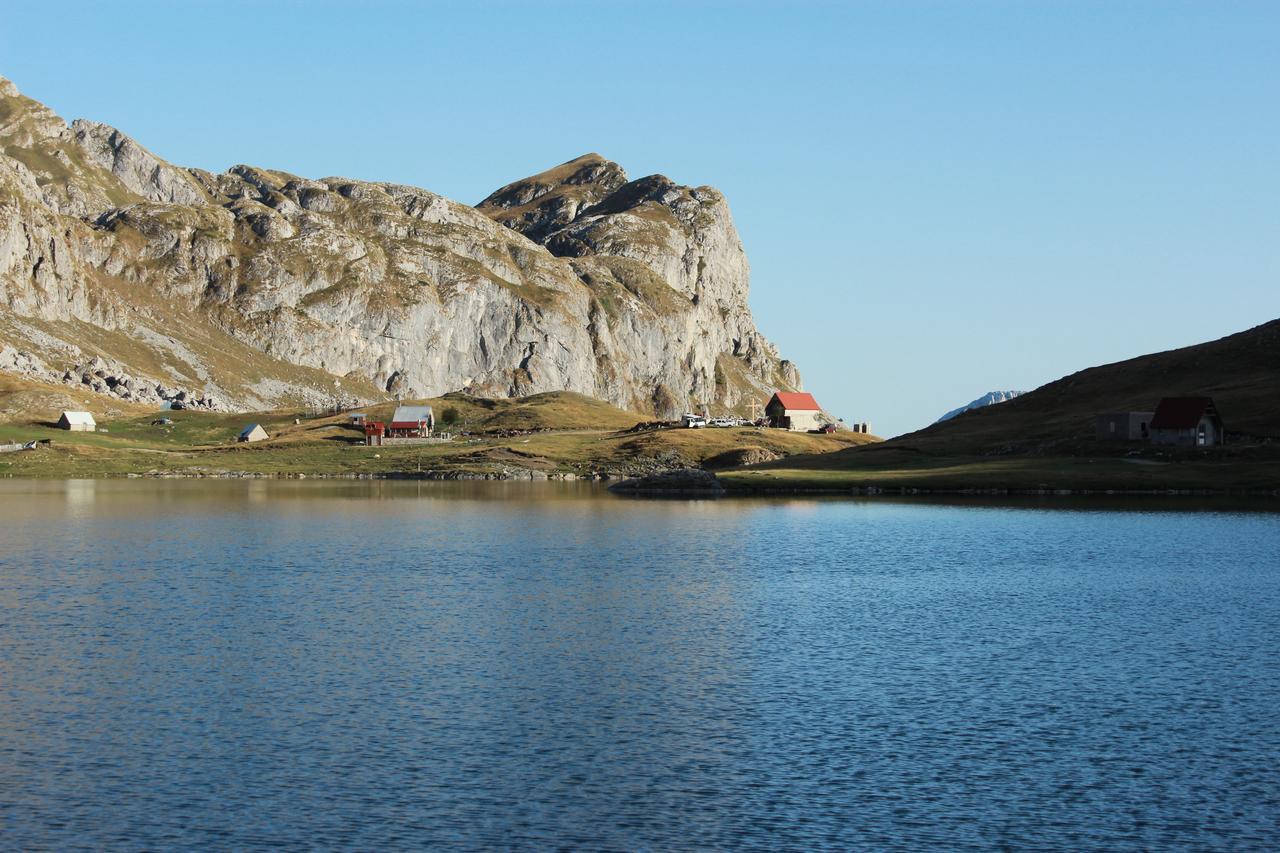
<point x="79" y="418"/>
<point x="412" y="414"/>
<point x="799" y="400"/>
<point x="1182" y="412"/>
<point x="249" y="429"/>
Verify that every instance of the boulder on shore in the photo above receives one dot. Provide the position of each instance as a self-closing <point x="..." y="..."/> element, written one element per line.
<point x="741" y="456"/>
<point x="686" y="481"/>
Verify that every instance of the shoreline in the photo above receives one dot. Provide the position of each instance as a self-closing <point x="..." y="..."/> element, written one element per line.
<point x="731" y="489"/>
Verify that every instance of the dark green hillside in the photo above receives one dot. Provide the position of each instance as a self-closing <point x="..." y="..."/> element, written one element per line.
<point x="1045" y="439"/>
<point x="1240" y="372"/>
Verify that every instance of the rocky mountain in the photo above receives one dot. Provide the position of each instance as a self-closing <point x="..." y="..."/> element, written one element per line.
<point x="988" y="399"/>
<point x="255" y="288"/>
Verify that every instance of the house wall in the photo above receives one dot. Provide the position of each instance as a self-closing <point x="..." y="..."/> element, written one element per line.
<point x="76" y="427"/>
<point x="1123" y="426"/>
<point x="1183" y="437"/>
<point x="1189" y="437"/>
<point x="1212" y="435"/>
<point x="803" y="420"/>
<point x="422" y="431"/>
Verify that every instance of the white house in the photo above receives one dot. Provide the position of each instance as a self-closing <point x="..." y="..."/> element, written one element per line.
<point x="77" y="422"/>
<point x="253" y="432"/>
<point x="794" y="410"/>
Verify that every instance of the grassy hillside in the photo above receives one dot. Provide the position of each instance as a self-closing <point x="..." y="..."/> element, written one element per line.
<point x="1045" y="439"/>
<point x="25" y="400"/>
<point x="1240" y="372"/>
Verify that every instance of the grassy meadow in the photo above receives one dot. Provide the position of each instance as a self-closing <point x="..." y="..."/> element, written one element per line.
<point x="556" y="433"/>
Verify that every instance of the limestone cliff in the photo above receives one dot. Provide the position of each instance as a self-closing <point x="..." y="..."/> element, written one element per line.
<point x="255" y="288"/>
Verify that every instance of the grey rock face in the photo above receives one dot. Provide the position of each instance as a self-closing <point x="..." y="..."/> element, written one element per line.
<point x="136" y="167"/>
<point x="253" y="286"/>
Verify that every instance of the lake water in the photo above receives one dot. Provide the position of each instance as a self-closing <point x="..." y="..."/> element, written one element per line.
<point x="380" y="665"/>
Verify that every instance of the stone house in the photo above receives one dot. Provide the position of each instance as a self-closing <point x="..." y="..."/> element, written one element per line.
<point x="1187" y="421"/>
<point x="1123" y="426"/>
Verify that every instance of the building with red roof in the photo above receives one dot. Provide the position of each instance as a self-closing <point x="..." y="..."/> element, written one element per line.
<point x="374" y="432"/>
<point x="1190" y="421"/>
<point x="794" y="410"/>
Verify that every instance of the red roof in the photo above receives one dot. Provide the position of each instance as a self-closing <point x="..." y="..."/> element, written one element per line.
<point x="1182" y="412"/>
<point x="797" y="400"/>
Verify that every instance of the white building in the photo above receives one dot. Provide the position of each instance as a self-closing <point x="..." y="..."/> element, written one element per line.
<point x="794" y="410"/>
<point x="77" y="422"/>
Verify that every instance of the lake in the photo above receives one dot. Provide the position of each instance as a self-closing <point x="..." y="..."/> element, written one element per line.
<point x="379" y="665"/>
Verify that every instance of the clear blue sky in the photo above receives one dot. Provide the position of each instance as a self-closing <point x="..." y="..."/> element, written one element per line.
<point x="938" y="199"/>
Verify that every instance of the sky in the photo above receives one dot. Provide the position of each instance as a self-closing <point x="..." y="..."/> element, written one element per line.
<point x="938" y="199"/>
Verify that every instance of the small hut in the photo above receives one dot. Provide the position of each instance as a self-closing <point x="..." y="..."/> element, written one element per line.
<point x="77" y="422"/>
<point x="253" y="432"/>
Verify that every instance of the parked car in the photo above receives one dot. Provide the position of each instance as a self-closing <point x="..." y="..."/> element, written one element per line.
<point x="692" y="421"/>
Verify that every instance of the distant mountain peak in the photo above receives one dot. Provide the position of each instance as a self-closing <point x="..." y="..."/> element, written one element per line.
<point x="990" y="398"/>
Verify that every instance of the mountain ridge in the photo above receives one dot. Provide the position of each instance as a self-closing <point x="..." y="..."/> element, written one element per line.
<point x="990" y="398"/>
<point x="253" y="287"/>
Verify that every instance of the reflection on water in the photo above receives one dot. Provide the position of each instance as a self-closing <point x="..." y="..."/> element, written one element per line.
<point x="381" y="664"/>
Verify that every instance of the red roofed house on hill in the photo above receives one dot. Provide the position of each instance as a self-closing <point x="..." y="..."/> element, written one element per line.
<point x="1190" y="421"/>
<point x="794" y="410"/>
<point x="411" y="422"/>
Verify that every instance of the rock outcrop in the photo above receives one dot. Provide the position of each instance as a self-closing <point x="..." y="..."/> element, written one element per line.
<point x="254" y="287"/>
